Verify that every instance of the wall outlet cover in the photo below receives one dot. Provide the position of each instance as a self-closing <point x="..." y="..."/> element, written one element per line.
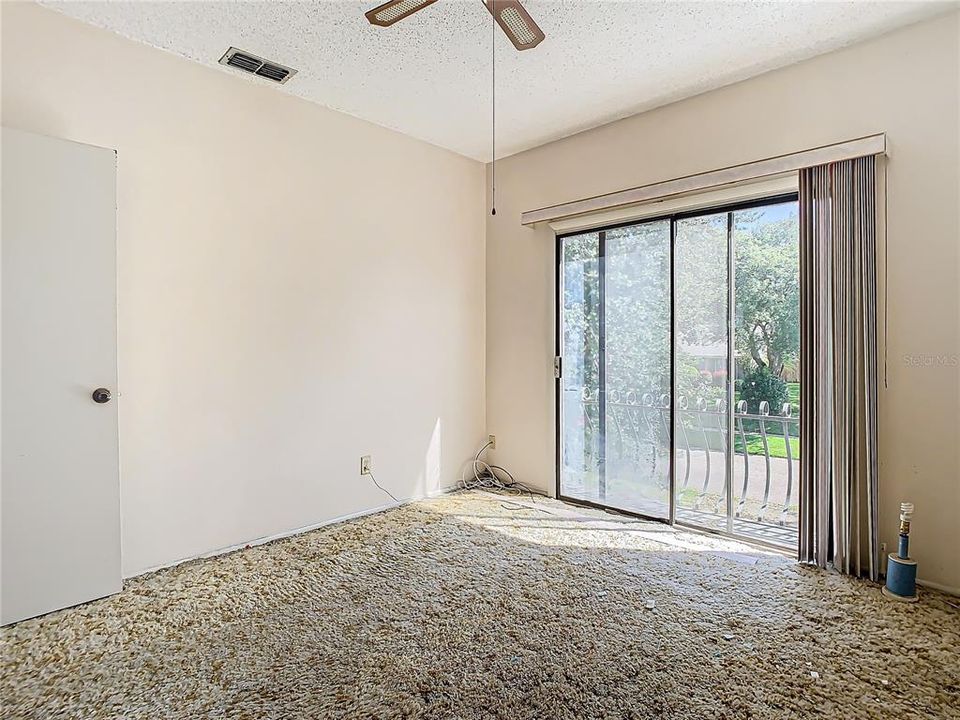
<point x="366" y="464"/>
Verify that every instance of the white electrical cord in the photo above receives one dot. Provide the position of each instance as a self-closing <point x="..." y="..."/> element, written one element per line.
<point x="485" y="477"/>
<point x="383" y="488"/>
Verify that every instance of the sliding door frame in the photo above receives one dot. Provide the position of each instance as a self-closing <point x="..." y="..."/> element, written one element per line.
<point x="602" y="362"/>
<point x="601" y="231"/>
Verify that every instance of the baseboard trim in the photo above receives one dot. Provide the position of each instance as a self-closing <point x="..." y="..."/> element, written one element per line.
<point x="296" y="531"/>
<point x="381" y="508"/>
<point x="939" y="586"/>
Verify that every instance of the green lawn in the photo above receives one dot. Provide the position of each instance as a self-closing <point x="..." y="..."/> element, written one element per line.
<point x="778" y="448"/>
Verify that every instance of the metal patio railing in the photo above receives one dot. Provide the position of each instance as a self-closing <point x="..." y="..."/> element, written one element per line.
<point x="638" y="440"/>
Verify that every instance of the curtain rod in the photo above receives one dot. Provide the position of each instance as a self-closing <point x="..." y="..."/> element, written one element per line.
<point x="868" y="145"/>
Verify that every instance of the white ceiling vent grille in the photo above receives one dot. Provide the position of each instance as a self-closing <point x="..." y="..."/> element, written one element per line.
<point x="248" y="62"/>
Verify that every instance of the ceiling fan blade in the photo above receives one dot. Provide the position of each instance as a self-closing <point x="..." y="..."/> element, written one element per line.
<point x="516" y="22"/>
<point x="395" y="10"/>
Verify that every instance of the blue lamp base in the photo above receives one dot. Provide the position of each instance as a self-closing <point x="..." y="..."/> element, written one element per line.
<point x="901" y="579"/>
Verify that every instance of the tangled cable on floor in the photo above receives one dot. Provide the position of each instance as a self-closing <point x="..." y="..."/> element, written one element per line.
<point x="487" y="476"/>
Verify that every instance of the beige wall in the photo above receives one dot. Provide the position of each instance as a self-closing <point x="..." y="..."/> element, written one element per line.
<point x="905" y="84"/>
<point x="296" y="288"/>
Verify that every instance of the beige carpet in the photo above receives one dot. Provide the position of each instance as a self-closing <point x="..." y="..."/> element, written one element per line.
<point x="464" y="607"/>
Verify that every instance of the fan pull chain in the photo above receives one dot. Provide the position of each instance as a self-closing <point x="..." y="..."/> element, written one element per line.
<point x="493" y="134"/>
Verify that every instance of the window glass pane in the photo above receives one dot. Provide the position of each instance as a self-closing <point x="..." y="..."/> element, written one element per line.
<point x="701" y="369"/>
<point x="637" y="356"/>
<point x="767" y="351"/>
<point x="580" y="384"/>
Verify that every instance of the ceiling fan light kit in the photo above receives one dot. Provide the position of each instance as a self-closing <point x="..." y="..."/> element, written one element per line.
<point x="510" y="15"/>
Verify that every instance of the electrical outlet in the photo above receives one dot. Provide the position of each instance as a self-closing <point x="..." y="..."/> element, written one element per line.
<point x="493" y="441"/>
<point x="883" y="548"/>
<point x="366" y="464"/>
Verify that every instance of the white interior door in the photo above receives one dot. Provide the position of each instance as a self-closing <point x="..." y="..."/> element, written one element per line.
<point x="60" y="500"/>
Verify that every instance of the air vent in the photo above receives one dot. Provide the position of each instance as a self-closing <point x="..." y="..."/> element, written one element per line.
<point x="250" y="63"/>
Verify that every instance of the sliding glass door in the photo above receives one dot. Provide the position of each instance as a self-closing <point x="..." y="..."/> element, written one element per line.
<point x="615" y="384"/>
<point x="678" y="342"/>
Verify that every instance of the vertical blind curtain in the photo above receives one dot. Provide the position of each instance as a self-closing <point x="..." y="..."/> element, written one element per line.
<point x="838" y="366"/>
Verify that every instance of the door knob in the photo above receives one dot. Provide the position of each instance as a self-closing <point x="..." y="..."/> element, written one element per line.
<point x="101" y="395"/>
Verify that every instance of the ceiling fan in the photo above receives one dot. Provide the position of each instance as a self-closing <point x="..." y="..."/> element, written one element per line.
<point x="510" y="15"/>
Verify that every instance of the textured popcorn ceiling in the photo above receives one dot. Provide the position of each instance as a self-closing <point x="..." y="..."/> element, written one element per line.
<point x="429" y="75"/>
